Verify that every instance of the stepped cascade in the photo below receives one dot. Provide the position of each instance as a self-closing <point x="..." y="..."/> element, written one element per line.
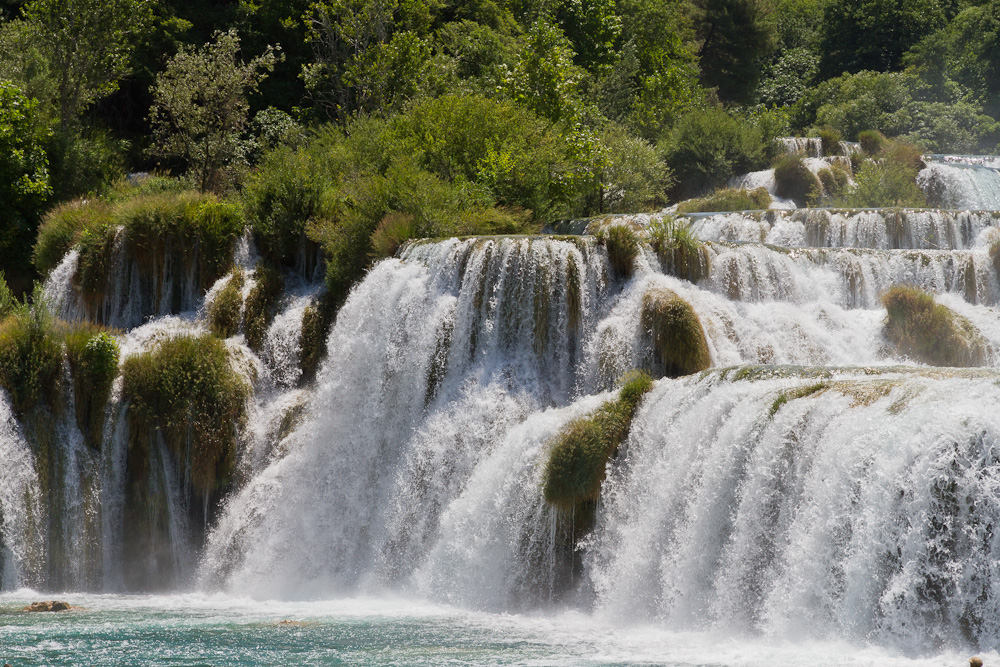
<point x="819" y="475"/>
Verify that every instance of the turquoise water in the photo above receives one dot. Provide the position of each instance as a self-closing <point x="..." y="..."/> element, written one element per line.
<point x="200" y="630"/>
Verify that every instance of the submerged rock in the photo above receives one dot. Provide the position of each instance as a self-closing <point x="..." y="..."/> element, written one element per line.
<point x="50" y="605"/>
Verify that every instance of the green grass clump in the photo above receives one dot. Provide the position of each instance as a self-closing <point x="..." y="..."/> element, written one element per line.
<point x="30" y="355"/>
<point x="580" y="453"/>
<point x="834" y="181"/>
<point x="622" y="244"/>
<point x="261" y="303"/>
<point x="61" y="229"/>
<point x="728" y="199"/>
<point x="394" y="230"/>
<point x="680" y="252"/>
<point x="187" y="388"/>
<point x="7" y="299"/>
<point x="679" y="343"/>
<point x="793" y="180"/>
<point x="189" y="229"/>
<point x="225" y="311"/>
<point x="926" y="331"/>
<point x="93" y="356"/>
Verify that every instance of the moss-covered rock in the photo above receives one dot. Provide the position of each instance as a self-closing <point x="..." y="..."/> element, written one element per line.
<point x="316" y="320"/>
<point x="678" y="339"/>
<point x="187" y="388"/>
<point x="92" y="352"/>
<point x="579" y="454"/>
<point x="225" y="311"/>
<point x="261" y="303"/>
<point x="926" y="331"/>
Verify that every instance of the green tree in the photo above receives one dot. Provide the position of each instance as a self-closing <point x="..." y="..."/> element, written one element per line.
<point x="369" y="56"/>
<point x="87" y="45"/>
<point x="24" y="181"/>
<point x="593" y="27"/>
<point x="200" y="109"/>
<point x="736" y="38"/>
<point x="874" y="34"/>
<point x="544" y="78"/>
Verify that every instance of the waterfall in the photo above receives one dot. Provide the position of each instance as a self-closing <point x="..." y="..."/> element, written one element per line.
<point x="838" y="505"/>
<point x="962" y="182"/>
<point x="20" y="511"/>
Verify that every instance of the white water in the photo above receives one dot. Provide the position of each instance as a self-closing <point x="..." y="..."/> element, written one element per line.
<point x="862" y="512"/>
<point x="20" y="513"/>
<point x="962" y="182"/>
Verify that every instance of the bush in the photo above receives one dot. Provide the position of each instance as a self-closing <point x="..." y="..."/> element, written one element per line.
<point x="830" y="140"/>
<point x="7" y="300"/>
<point x="225" y="311"/>
<point x="890" y="180"/>
<point x="678" y="340"/>
<point x="680" y="252"/>
<point x="187" y="388"/>
<point x="634" y="176"/>
<point x="707" y="147"/>
<point x="622" y="244"/>
<point x="728" y="199"/>
<point x="793" y="180"/>
<point x="93" y="356"/>
<point x="872" y="142"/>
<point x="835" y="182"/>
<point x="929" y="332"/>
<point x="579" y="454"/>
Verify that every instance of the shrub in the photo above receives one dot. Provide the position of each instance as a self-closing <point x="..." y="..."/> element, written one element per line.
<point x="890" y="180"/>
<point x="622" y="244"/>
<point x="225" y="310"/>
<point x="678" y="340"/>
<point x="634" y="175"/>
<point x="830" y="140"/>
<point x="728" y="199"/>
<point x="872" y="142"/>
<point x="835" y="182"/>
<point x="187" y="388"/>
<point x="261" y="303"/>
<point x="7" y="300"/>
<point x="579" y="454"/>
<point x="929" y="332"/>
<point x="708" y="147"/>
<point x="680" y="252"/>
<point x="93" y="356"/>
<point x="793" y="180"/>
<point x="30" y="355"/>
<point x="281" y="197"/>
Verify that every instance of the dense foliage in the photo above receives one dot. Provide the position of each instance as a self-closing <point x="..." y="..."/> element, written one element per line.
<point x="345" y="127"/>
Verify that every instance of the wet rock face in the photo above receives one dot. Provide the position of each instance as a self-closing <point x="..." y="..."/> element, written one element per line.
<point x="50" y="605"/>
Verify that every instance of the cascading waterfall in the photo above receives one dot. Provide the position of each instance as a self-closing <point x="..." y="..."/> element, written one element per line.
<point x="813" y="484"/>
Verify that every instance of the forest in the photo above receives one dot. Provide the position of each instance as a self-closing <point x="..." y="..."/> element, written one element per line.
<point x="346" y="127"/>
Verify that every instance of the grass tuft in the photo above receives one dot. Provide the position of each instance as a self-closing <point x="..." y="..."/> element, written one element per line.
<point x="92" y="352"/>
<point x="262" y="301"/>
<point x="680" y="252"/>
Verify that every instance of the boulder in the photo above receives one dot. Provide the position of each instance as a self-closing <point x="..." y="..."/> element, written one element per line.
<point x="50" y="605"/>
